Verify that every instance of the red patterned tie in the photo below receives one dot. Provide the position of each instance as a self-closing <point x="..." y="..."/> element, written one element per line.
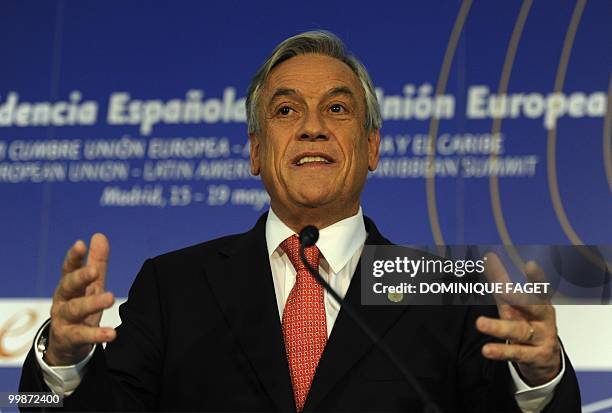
<point x="304" y="325"/>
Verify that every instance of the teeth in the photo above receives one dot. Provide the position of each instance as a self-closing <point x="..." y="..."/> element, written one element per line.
<point x="307" y="159"/>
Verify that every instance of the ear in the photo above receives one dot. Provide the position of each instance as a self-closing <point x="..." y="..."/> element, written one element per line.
<point x="373" y="149"/>
<point x="254" y="142"/>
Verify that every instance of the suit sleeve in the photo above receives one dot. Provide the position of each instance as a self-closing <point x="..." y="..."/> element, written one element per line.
<point x="567" y="392"/>
<point x="484" y="385"/>
<point x="126" y="375"/>
<point x="31" y="375"/>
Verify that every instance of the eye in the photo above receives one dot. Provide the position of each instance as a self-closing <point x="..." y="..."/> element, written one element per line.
<point x="284" y="110"/>
<point x="337" y="108"/>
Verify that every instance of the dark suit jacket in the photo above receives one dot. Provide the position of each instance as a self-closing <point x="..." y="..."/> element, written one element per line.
<point x="201" y="331"/>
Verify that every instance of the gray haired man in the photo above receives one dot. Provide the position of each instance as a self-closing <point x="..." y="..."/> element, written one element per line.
<point x="237" y="324"/>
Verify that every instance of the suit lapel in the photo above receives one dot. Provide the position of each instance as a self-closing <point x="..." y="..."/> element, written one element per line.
<point x="347" y="343"/>
<point x="246" y="295"/>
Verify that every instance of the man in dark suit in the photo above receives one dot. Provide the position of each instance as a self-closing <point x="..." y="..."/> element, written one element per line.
<point x="238" y="324"/>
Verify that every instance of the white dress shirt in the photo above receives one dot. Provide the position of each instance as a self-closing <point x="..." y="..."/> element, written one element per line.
<point x="341" y="245"/>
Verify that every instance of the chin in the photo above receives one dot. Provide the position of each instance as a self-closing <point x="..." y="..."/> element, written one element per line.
<point x="315" y="200"/>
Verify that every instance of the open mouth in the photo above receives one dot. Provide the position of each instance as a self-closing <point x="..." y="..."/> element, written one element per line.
<point x="312" y="160"/>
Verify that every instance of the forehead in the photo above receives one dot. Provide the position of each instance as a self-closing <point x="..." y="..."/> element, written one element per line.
<point x="312" y="75"/>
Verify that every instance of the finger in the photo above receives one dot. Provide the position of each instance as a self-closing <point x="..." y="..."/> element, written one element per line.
<point x="538" y="312"/>
<point x="77" y="334"/>
<point x="75" y="283"/>
<point x="98" y="254"/>
<point x="519" y="305"/>
<point x="516" y="311"/>
<point x="517" y="353"/>
<point x="536" y="274"/>
<point x="508" y="312"/>
<point x="496" y="273"/>
<point x="74" y="257"/>
<point x="515" y="330"/>
<point x="76" y="309"/>
<point x="494" y="269"/>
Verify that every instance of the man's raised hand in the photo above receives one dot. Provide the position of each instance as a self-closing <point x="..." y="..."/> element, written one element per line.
<point x="78" y="302"/>
<point x="528" y="324"/>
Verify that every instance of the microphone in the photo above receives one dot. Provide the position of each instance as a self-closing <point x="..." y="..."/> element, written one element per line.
<point x="308" y="237"/>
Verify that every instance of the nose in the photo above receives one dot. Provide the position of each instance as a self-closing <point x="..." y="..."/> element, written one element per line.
<point x="313" y="128"/>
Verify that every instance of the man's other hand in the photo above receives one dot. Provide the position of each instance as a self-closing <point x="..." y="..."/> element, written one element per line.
<point x="78" y="302"/>
<point x="530" y="329"/>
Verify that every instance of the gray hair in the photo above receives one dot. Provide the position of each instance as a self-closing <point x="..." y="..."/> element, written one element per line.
<point x="312" y="42"/>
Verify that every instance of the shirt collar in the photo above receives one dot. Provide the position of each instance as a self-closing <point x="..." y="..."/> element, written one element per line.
<point x="337" y="242"/>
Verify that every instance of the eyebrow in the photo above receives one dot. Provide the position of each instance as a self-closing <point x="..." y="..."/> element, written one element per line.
<point x="336" y="91"/>
<point x="340" y="90"/>
<point x="283" y="92"/>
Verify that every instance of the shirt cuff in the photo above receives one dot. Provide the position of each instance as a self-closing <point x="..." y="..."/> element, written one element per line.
<point x="534" y="399"/>
<point x="62" y="380"/>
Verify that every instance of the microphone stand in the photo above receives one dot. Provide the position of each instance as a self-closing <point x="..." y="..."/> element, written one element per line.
<point x="309" y="237"/>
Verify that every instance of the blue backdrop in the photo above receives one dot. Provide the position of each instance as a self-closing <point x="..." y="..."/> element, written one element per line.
<point x="128" y="118"/>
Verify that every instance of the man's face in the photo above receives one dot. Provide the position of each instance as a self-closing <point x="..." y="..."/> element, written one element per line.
<point x="313" y="149"/>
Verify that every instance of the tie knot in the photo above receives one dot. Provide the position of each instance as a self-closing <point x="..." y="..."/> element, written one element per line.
<point x="291" y="247"/>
